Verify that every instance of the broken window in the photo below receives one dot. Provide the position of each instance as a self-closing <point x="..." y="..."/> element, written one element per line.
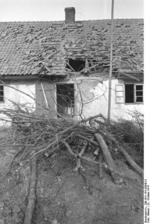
<point x="133" y="93"/>
<point x="1" y="93"/>
<point x="75" y="65"/>
<point x="65" y="99"/>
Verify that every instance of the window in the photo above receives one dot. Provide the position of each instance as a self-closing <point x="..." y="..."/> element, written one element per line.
<point x="65" y="99"/>
<point x="133" y="93"/>
<point x="1" y="93"/>
<point x="139" y="93"/>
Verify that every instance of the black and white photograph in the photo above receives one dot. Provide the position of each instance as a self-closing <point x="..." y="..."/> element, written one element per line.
<point x="72" y="112"/>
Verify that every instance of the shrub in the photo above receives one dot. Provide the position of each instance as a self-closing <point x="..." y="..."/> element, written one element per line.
<point x="130" y="133"/>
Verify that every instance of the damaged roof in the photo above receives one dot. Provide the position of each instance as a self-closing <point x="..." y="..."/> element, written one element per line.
<point x="31" y="48"/>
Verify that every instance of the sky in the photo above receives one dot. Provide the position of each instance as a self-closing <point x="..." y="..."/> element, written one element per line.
<point x="53" y="10"/>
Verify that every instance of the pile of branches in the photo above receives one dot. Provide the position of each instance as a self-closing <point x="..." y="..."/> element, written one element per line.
<point x="90" y="140"/>
<point x="85" y="140"/>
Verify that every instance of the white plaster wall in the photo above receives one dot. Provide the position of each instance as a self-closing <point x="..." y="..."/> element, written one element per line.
<point x="92" y="94"/>
<point x="123" y="110"/>
<point x="91" y="98"/>
<point x="17" y="93"/>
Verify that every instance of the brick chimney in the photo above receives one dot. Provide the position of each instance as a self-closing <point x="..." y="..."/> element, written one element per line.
<point x="70" y="15"/>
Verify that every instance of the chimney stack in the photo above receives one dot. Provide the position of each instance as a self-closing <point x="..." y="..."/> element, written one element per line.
<point x="70" y="15"/>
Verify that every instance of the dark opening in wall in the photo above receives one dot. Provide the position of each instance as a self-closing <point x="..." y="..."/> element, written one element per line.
<point x="65" y="99"/>
<point x="75" y="65"/>
<point x="129" y="93"/>
<point x="1" y="93"/>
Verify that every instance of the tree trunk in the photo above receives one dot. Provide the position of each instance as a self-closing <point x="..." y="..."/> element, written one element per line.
<point x="106" y="153"/>
<point x="32" y="192"/>
<point x="109" y="160"/>
<point x="131" y="162"/>
<point x="128" y="158"/>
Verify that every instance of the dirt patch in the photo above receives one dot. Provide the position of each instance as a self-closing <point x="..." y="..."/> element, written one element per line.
<point x="68" y="197"/>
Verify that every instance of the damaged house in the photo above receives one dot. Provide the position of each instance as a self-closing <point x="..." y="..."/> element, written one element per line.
<point x="63" y="67"/>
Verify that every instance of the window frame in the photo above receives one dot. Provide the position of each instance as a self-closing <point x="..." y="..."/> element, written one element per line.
<point x="134" y="93"/>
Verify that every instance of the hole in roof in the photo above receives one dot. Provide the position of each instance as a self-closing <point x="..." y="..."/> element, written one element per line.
<point x="75" y="65"/>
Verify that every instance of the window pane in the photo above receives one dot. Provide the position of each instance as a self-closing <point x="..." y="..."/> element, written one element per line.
<point x="139" y="87"/>
<point x="139" y="93"/>
<point x="139" y="99"/>
<point x="118" y="94"/>
<point x="129" y="93"/>
<point x="119" y="88"/>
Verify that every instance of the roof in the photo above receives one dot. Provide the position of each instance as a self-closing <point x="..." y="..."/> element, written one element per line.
<point x="29" y="48"/>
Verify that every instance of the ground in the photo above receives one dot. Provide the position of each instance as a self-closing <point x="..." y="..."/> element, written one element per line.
<point x="68" y="197"/>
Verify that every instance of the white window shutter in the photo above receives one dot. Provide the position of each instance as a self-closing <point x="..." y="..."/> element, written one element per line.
<point x="119" y="91"/>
